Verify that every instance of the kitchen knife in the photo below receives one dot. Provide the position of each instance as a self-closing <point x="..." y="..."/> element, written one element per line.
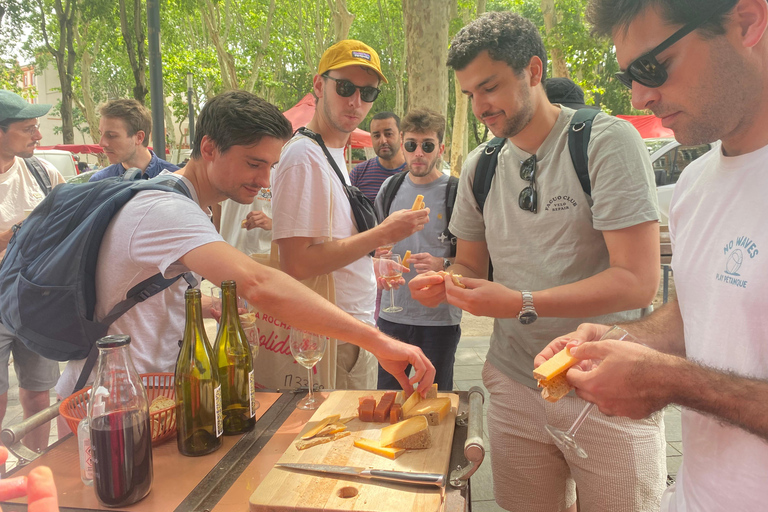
<point x="377" y="474"/>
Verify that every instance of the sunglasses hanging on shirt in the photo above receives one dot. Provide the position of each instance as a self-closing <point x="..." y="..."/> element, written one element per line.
<point x="345" y="89"/>
<point x="426" y="146"/>
<point x="528" y="197"/>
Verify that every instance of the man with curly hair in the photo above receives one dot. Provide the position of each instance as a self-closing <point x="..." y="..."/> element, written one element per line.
<point x="560" y="255"/>
<point x="700" y="66"/>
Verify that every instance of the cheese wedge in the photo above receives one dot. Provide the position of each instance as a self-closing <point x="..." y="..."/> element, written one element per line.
<point x="320" y="426"/>
<point x="405" y="257"/>
<point x="559" y="363"/>
<point x="417" y="202"/>
<point x="375" y="447"/>
<point x="411" y="434"/>
<point x="412" y="400"/>
<point x="434" y="409"/>
<point x="333" y="428"/>
<point x="432" y="393"/>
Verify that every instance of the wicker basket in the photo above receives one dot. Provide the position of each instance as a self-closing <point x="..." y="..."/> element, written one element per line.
<point x="163" y="421"/>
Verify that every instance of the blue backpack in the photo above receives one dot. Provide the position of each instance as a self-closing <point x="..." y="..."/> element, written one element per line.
<point x="48" y="274"/>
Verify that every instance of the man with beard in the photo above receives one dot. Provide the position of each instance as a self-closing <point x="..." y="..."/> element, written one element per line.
<point x="125" y="126"/>
<point x="700" y="67"/>
<point x="313" y="222"/>
<point x="24" y="182"/>
<point x="385" y="137"/>
<point x="559" y="256"/>
<point x="435" y="330"/>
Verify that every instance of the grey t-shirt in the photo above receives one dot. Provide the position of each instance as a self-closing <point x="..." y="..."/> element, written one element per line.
<point x="426" y="240"/>
<point x="563" y="242"/>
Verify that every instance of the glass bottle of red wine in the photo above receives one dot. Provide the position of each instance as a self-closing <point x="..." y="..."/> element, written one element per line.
<point x="121" y="438"/>
<point x="233" y="356"/>
<point x="198" y="391"/>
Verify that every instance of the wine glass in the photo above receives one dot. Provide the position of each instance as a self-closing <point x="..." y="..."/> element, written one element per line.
<point x="308" y="348"/>
<point x="391" y="269"/>
<point x="565" y="438"/>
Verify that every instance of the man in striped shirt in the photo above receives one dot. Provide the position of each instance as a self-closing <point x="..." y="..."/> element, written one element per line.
<point x="385" y="136"/>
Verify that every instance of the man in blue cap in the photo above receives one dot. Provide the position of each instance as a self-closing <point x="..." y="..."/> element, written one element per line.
<point x="24" y="182"/>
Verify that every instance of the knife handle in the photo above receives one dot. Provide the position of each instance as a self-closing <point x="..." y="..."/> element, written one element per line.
<point x="405" y="477"/>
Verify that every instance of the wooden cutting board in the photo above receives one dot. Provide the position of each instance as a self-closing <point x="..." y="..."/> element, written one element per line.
<point x="286" y="489"/>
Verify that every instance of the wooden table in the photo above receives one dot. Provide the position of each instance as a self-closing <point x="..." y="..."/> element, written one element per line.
<point x="219" y="482"/>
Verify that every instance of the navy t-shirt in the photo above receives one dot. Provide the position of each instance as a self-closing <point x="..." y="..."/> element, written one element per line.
<point x="369" y="175"/>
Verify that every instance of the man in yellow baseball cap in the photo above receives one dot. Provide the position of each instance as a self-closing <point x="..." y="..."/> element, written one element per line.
<point x="313" y="220"/>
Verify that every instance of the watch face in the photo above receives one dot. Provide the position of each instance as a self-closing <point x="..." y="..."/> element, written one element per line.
<point x="527" y="317"/>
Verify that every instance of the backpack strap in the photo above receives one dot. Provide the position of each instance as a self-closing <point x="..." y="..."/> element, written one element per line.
<point x="391" y="190"/>
<point x="485" y="170"/>
<point x="451" y="190"/>
<point x="578" y="142"/>
<point x="39" y="173"/>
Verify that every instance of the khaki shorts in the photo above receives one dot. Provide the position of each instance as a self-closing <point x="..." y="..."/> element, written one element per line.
<point x="356" y="368"/>
<point x="34" y="372"/>
<point x="625" y="470"/>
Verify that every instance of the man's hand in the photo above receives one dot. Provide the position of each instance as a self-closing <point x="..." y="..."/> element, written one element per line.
<point x="424" y="262"/>
<point x="630" y="380"/>
<point x="257" y="220"/>
<point x="585" y="332"/>
<point x="38" y="486"/>
<point x="403" y="223"/>
<point x="484" y="298"/>
<point x="386" y="284"/>
<point x="395" y="356"/>
<point x="428" y="289"/>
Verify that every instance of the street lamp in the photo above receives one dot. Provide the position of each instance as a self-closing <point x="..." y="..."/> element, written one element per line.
<point x="191" y="110"/>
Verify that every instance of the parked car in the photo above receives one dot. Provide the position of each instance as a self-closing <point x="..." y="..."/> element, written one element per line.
<point x="62" y="160"/>
<point x="83" y="177"/>
<point x="669" y="160"/>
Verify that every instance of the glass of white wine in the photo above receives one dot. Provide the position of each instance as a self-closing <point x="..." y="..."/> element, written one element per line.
<point x="391" y="269"/>
<point x="308" y="348"/>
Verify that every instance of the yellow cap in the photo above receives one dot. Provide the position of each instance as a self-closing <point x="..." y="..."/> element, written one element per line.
<point x="350" y="52"/>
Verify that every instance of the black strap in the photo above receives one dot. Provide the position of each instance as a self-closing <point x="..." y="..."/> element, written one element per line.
<point x="39" y="173"/>
<point x="578" y="144"/>
<point x="390" y="191"/>
<point x="319" y="139"/>
<point x="451" y="190"/>
<point x="485" y="170"/>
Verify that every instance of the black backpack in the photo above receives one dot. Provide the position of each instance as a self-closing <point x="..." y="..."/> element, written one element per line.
<point x="37" y="170"/>
<point x="450" y="199"/>
<point x="578" y="142"/>
<point x="48" y="274"/>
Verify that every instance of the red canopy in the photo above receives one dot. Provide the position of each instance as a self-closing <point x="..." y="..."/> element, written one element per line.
<point x="649" y="126"/>
<point x="301" y="113"/>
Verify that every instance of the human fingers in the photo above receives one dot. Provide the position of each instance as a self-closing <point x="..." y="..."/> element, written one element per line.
<point x="13" y="488"/>
<point x="3" y="454"/>
<point x="424" y="372"/>
<point x="42" y="491"/>
<point x="428" y="289"/>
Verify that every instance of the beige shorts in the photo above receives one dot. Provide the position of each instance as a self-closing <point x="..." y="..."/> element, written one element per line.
<point x="356" y="368"/>
<point x="625" y="470"/>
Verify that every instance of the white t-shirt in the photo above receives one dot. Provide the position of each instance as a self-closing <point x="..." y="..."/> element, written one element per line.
<point x="249" y="241"/>
<point x="720" y="245"/>
<point x="149" y="235"/>
<point x="308" y="201"/>
<point x="19" y="191"/>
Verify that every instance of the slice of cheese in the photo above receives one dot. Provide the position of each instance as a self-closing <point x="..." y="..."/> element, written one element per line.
<point x="412" y="400"/>
<point x="309" y="443"/>
<point x="412" y="433"/>
<point x="333" y="428"/>
<point x="555" y="365"/>
<point x="405" y="257"/>
<point x="375" y="447"/>
<point x="417" y="202"/>
<point x="320" y="426"/>
<point x="434" y="409"/>
<point x="432" y="393"/>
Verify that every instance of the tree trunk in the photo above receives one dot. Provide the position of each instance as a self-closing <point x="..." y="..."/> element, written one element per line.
<point x="170" y="136"/>
<point x="213" y="23"/>
<point x="426" y="41"/>
<point x="559" y="67"/>
<point x="398" y="65"/>
<point x="342" y="19"/>
<point x="136" y="53"/>
<point x="259" y="57"/>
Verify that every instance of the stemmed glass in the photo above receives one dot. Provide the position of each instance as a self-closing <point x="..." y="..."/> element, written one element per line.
<point x="308" y="348"/>
<point x="565" y="438"/>
<point x="391" y="269"/>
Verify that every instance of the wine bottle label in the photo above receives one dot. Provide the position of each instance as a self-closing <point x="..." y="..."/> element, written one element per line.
<point x="219" y="414"/>
<point x="252" y="394"/>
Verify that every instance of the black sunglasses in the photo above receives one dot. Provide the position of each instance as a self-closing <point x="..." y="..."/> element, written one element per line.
<point x="426" y="146"/>
<point x="646" y="70"/>
<point x="345" y="89"/>
<point x="528" y="197"/>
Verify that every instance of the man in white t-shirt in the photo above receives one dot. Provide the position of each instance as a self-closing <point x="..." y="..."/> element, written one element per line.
<point x="22" y="186"/>
<point x="237" y="141"/>
<point x="313" y="223"/>
<point x="247" y="227"/>
<point x="700" y="67"/>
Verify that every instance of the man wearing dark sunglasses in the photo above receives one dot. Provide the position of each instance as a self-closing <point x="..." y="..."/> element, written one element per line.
<point x="435" y="330"/>
<point x="313" y="223"/>
<point x="559" y="256"/>
<point x="701" y="67"/>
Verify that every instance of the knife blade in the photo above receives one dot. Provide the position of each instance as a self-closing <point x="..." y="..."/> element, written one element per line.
<point x="405" y="477"/>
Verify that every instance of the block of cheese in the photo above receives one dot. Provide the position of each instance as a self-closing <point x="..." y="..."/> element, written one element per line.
<point x="555" y="365"/>
<point x="367" y="406"/>
<point x="405" y="257"/>
<point x="434" y="409"/>
<point x="411" y="434"/>
<point x="381" y="413"/>
<point x="375" y="447"/>
<point x="417" y="203"/>
<point x="412" y="400"/>
<point x="432" y="393"/>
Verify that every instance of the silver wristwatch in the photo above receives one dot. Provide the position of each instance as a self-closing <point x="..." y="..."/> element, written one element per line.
<point x="446" y="263"/>
<point x="528" y="313"/>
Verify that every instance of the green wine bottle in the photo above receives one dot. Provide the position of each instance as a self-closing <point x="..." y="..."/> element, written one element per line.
<point x="233" y="354"/>
<point x="199" y="424"/>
